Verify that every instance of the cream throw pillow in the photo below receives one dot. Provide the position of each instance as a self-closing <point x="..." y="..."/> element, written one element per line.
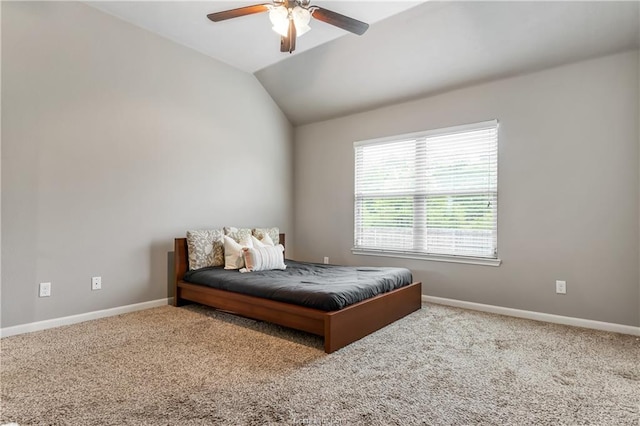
<point x="263" y="258"/>
<point x="233" y="252"/>
<point x="264" y="243"/>
<point x="273" y="233"/>
<point x="267" y="241"/>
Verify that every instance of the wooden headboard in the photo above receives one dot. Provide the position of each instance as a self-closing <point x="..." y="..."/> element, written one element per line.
<point x="181" y="257"/>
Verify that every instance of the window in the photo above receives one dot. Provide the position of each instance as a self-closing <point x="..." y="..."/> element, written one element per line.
<point x="429" y="195"/>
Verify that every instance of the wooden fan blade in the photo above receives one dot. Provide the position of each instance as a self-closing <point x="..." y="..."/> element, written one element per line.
<point x="236" y="13"/>
<point x="340" y="21"/>
<point x="288" y="44"/>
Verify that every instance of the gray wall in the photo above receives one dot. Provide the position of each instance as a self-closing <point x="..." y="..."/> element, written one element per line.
<point x="0" y="165"/>
<point x="568" y="189"/>
<point x="115" y="141"/>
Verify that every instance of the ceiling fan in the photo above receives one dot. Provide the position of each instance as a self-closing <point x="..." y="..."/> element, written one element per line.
<point x="290" y="19"/>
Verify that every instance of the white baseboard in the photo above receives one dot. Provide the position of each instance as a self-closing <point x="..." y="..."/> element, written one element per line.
<point x="518" y="313"/>
<point x="74" y="319"/>
<point x="538" y="316"/>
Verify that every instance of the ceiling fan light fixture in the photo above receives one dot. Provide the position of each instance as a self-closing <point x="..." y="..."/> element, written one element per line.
<point x="301" y="18"/>
<point x="279" y="17"/>
<point x="290" y="19"/>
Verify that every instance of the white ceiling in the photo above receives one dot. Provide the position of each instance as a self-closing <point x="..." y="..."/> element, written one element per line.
<point x="413" y="49"/>
<point x="248" y="42"/>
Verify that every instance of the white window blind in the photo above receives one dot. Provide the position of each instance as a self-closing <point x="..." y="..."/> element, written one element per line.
<point x="429" y="193"/>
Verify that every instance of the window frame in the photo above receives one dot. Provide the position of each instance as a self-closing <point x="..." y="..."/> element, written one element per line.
<point x="474" y="260"/>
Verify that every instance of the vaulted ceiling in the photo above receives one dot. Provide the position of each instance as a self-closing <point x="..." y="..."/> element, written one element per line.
<point x="412" y="49"/>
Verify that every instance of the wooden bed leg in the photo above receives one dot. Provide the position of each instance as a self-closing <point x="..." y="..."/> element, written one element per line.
<point x="177" y="301"/>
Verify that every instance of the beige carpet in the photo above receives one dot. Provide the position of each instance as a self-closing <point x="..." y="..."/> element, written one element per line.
<point x="439" y="366"/>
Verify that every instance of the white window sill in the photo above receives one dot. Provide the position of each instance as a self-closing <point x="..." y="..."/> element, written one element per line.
<point x="433" y="257"/>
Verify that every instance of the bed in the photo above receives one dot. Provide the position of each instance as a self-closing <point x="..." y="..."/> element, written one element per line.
<point x="338" y="327"/>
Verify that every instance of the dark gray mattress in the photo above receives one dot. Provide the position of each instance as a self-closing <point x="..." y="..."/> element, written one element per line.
<point x="314" y="285"/>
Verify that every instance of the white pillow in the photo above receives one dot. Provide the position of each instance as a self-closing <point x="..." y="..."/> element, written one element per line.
<point x="233" y="252"/>
<point x="266" y="241"/>
<point x="273" y="233"/>
<point x="263" y="258"/>
<point x="256" y="242"/>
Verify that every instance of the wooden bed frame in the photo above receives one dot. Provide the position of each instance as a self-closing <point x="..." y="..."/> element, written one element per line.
<point x="339" y="328"/>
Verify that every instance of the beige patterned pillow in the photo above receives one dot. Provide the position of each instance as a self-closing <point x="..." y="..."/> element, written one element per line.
<point x="205" y="248"/>
<point x="273" y="233"/>
<point x="238" y="234"/>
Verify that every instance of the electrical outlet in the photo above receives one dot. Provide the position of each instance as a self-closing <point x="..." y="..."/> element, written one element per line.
<point x="45" y="289"/>
<point x="96" y="283"/>
<point x="561" y="287"/>
<point x="326" y="260"/>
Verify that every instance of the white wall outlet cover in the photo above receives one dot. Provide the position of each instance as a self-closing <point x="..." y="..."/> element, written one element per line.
<point x="96" y="283"/>
<point x="44" y="289"/>
<point x="561" y="287"/>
